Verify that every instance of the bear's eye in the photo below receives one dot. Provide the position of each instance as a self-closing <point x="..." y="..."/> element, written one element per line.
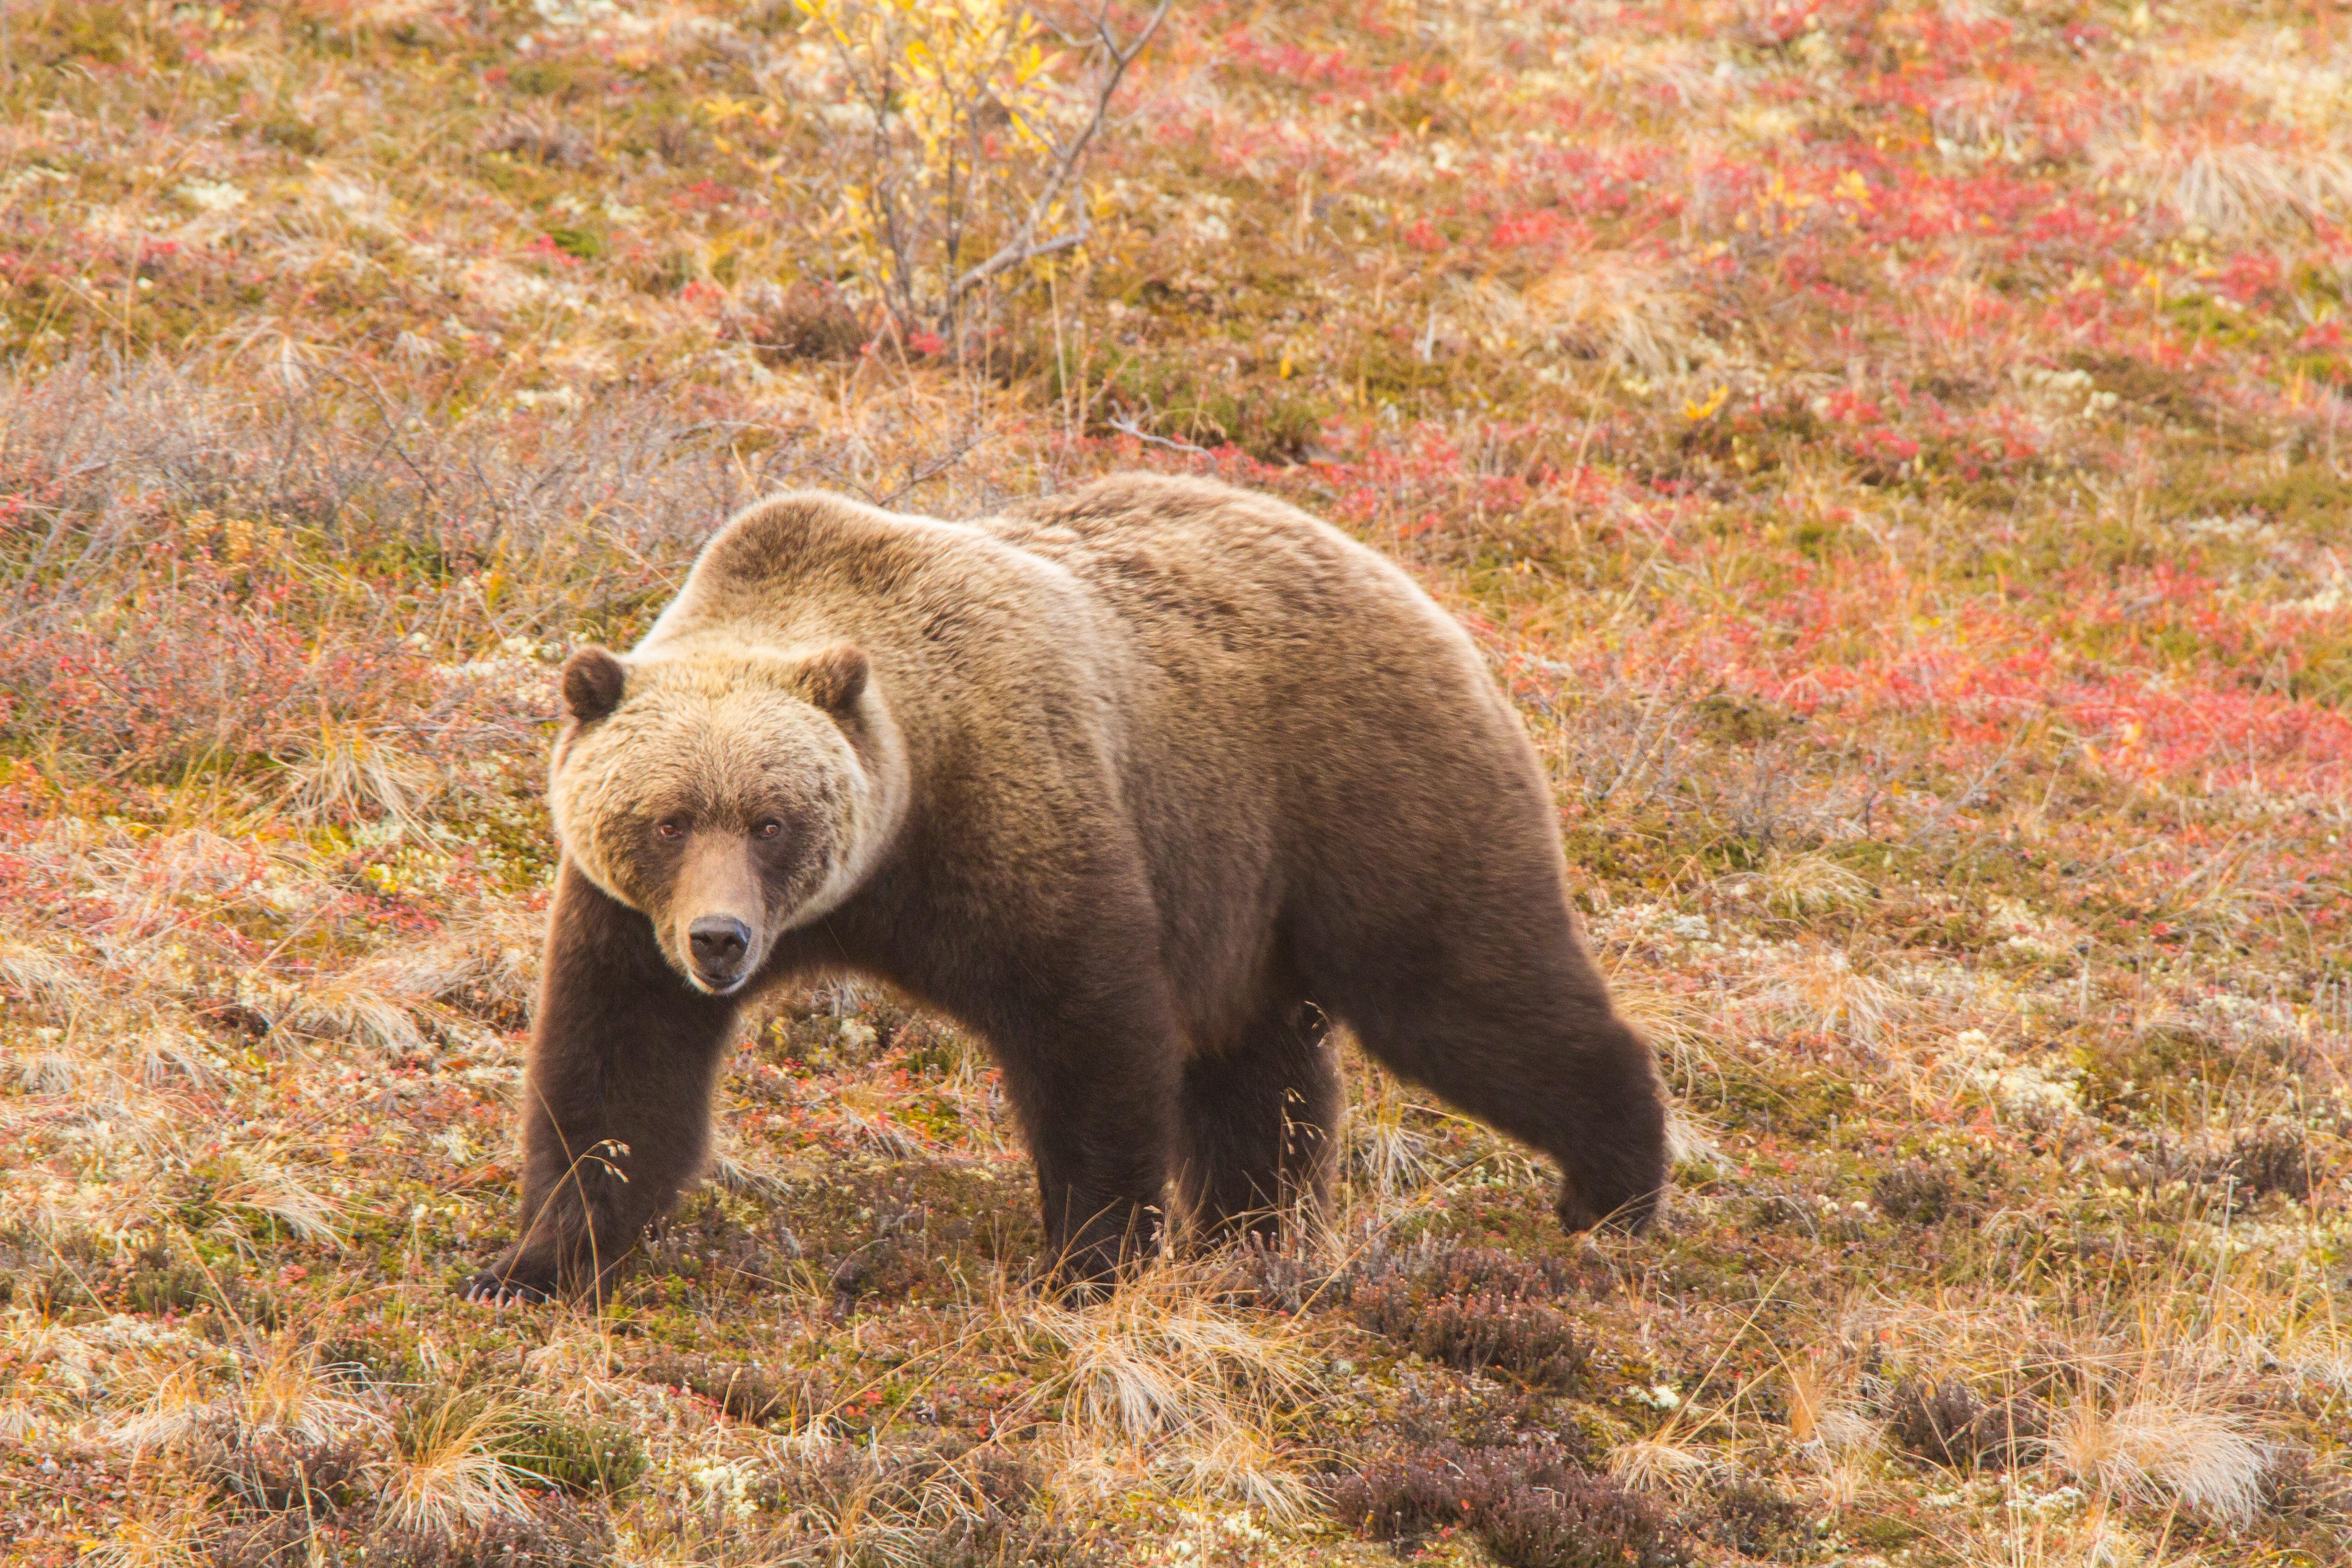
<point x="670" y="827"/>
<point x="769" y="829"/>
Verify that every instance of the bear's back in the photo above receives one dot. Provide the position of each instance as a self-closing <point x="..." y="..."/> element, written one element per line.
<point x="1202" y="575"/>
<point x="1303" y="690"/>
<point x="1256" y="609"/>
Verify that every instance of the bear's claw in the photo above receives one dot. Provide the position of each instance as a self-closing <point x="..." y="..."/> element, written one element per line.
<point x="490" y="1289"/>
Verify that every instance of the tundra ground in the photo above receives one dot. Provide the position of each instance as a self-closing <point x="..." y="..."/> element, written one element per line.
<point x="1897" y="456"/>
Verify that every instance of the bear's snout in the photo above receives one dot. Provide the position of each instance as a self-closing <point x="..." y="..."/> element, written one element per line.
<point x="720" y="944"/>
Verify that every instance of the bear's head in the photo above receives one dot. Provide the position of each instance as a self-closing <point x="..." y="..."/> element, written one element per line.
<point x="727" y="794"/>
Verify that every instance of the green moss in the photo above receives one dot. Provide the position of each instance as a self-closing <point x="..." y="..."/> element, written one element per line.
<point x="561" y="79"/>
<point x="587" y="244"/>
<point x="1730" y="719"/>
<point x="1884" y="1534"/>
<point x="294" y="134"/>
<point x="2304" y="497"/>
<point x="93" y="35"/>
<point x="584" y="1458"/>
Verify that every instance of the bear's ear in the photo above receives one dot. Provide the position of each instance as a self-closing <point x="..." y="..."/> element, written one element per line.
<point x="593" y="678"/>
<point x="834" y="677"/>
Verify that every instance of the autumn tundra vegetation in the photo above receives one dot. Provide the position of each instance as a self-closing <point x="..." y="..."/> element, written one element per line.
<point x="1895" y="455"/>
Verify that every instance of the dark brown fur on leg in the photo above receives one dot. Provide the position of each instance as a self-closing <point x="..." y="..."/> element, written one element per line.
<point x="1090" y="1071"/>
<point x="1094" y="1114"/>
<point x="1060" y="983"/>
<point x="617" y="1100"/>
<point x="1255" y="1123"/>
<point x="1491" y="1002"/>
<point x="1576" y="1085"/>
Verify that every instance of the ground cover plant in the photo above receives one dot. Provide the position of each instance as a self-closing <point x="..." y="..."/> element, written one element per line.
<point x="1896" y="455"/>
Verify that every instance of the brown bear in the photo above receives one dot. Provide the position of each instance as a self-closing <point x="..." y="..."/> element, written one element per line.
<point x="1144" y="785"/>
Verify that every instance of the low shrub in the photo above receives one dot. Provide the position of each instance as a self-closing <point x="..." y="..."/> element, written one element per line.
<point x="584" y="1458"/>
<point x="1951" y="1424"/>
<point x="1476" y="1309"/>
<point x="1529" y="1503"/>
<point x="274" y="1472"/>
<point x="1915" y="1192"/>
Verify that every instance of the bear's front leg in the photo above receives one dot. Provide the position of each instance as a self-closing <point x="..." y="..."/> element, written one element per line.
<point x="616" y="1099"/>
<point x="1092" y="1070"/>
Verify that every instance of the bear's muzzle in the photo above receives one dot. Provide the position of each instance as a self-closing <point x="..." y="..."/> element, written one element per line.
<point x="720" y="949"/>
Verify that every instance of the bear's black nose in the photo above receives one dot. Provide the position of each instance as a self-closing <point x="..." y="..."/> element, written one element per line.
<point x="719" y="943"/>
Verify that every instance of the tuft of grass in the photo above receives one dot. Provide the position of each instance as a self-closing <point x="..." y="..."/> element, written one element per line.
<point x="453" y="1471"/>
<point x="1824" y="996"/>
<point x="1161" y="1374"/>
<point x="169" y="1536"/>
<point x="1804" y="884"/>
<point x="285" y="1389"/>
<point x="345" y="774"/>
<point x="44" y="978"/>
<point x="257" y="1187"/>
<point x="2151" y="1450"/>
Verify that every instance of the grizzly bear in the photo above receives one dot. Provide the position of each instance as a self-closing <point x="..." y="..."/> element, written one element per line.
<point x="1146" y="786"/>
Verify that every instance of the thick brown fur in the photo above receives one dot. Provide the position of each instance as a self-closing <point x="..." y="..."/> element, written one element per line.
<point x="1143" y="784"/>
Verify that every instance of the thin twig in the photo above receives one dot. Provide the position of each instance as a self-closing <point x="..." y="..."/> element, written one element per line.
<point x="1127" y="426"/>
<point x="1024" y="246"/>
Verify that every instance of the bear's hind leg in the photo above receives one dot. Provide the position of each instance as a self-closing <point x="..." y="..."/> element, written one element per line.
<point x="1255" y="1119"/>
<point x="1513" y="1025"/>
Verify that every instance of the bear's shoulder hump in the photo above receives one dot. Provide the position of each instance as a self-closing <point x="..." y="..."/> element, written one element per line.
<point x="802" y="534"/>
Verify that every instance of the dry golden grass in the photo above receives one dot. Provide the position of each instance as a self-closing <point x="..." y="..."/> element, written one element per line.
<point x="449" y="1473"/>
